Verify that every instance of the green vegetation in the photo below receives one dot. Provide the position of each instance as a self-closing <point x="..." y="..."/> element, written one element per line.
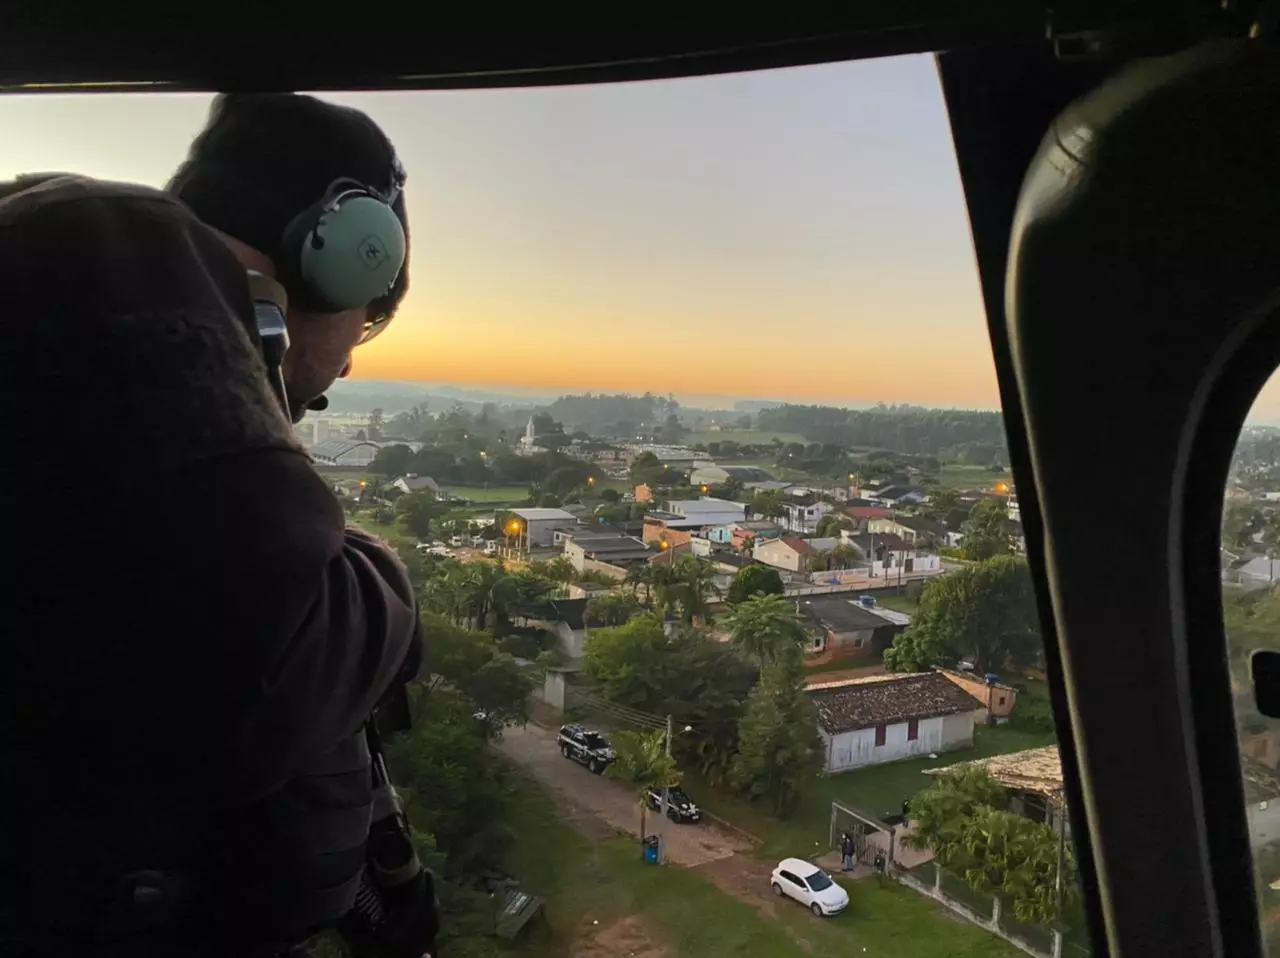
<point x="964" y="819"/>
<point x="779" y="750"/>
<point x="985" y="613"/>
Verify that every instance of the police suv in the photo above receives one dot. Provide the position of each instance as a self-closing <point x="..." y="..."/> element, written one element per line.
<point x="585" y="746"/>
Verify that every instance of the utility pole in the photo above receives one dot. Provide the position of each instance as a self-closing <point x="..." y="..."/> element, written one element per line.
<point x="666" y="799"/>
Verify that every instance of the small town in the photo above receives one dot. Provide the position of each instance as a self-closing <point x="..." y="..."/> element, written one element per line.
<point x="580" y="482"/>
<point x="760" y="658"/>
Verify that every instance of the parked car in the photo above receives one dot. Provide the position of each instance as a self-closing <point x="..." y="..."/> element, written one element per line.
<point x="455" y="541"/>
<point x="809" y="885"/>
<point x="585" y="746"/>
<point x="680" y="807"/>
<point x="491" y="548"/>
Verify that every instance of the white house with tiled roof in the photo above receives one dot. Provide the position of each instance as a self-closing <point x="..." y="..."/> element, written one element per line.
<point x="884" y="718"/>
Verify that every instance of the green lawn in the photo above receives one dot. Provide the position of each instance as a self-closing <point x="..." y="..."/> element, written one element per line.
<point x="683" y="912"/>
<point x="877" y="790"/>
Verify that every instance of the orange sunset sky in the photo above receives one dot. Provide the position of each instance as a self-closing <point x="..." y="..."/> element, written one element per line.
<point x="793" y="234"/>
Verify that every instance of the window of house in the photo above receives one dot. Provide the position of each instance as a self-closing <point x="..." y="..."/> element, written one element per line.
<point x="857" y="643"/>
<point x="880" y="735"/>
<point x="817" y="643"/>
<point x="1000" y="700"/>
<point x="913" y="729"/>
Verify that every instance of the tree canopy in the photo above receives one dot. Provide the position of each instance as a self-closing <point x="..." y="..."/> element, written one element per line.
<point x="754" y="580"/>
<point x="779" y="750"/>
<point x="987" y="531"/>
<point x="984" y="613"/>
<point x="766" y="628"/>
<point x="963" y="819"/>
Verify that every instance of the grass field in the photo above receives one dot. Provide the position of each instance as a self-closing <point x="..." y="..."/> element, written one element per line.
<point x="971" y="477"/>
<point x="878" y="790"/>
<point x="603" y="892"/>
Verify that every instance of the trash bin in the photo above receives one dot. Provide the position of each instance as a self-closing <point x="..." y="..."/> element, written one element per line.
<point x="651" y="849"/>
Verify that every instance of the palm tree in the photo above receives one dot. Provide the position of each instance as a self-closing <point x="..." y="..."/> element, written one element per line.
<point x="641" y="761"/>
<point x="764" y="627"/>
<point x="694" y="586"/>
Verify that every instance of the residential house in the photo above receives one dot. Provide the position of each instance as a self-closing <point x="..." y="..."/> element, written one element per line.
<point x="755" y="531"/>
<point x="890" y="555"/>
<point x="411" y="482"/>
<point x="669" y="527"/>
<point x="872" y="488"/>
<point x="862" y="513"/>
<point x="1255" y="572"/>
<point x="802" y="514"/>
<point x="883" y="718"/>
<point x="910" y="528"/>
<point x="902" y="495"/>
<point x="602" y="549"/>
<point x="847" y="629"/>
<point x="710" y="511"/>
<point x="537" y="528"/>
<point x="685" y="518"/>
<point x="1033" y="779"/>
<point x="791" y="553"/>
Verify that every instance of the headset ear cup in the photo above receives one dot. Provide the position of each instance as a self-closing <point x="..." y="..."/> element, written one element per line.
<point x="361" y="252"/>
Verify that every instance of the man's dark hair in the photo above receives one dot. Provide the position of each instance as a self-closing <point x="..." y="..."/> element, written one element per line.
<point x="263" y="158"/>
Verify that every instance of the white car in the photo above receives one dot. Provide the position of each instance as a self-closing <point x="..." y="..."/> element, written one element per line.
<point x="809" y="885"/>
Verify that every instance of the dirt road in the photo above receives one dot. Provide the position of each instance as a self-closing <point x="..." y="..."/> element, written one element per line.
<point x="535" y="748"/>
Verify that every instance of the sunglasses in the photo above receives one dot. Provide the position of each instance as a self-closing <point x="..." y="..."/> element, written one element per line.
<point x="373" y="327"/>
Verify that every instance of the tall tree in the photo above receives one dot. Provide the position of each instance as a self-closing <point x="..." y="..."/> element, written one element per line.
<point x="418" y="509"/>
<point x="779" y="751"/>
<point x="754" y="580"/>
<point x="767" y="628"/>
<point x="643" y="764"/>
<point x="393" y="460"/>
<point x="985" y="613"/>
<point x="831" y="524"/>
<point x="987" y="531"/>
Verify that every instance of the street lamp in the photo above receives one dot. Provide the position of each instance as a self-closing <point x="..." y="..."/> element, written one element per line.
<point x="666" y="794"/>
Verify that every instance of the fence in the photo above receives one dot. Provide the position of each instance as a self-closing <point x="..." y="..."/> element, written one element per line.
<point x="991" y="913"/>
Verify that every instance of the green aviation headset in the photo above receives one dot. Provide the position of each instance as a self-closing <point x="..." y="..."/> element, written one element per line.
<point x="345" y="250"/>
<point x="342" y="252"/>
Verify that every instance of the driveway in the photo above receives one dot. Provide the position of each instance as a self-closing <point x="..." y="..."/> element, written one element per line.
<point x="535" y="748"/>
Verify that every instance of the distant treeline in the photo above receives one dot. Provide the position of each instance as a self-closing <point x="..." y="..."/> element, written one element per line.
<point x="610" y="415"/>
<point x="967" y="436"/>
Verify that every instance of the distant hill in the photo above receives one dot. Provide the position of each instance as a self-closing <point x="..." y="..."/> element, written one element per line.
<point x="363" y="396"/>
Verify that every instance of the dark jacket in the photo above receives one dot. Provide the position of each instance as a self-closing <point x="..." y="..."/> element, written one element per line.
<point x="194" y="638"/>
